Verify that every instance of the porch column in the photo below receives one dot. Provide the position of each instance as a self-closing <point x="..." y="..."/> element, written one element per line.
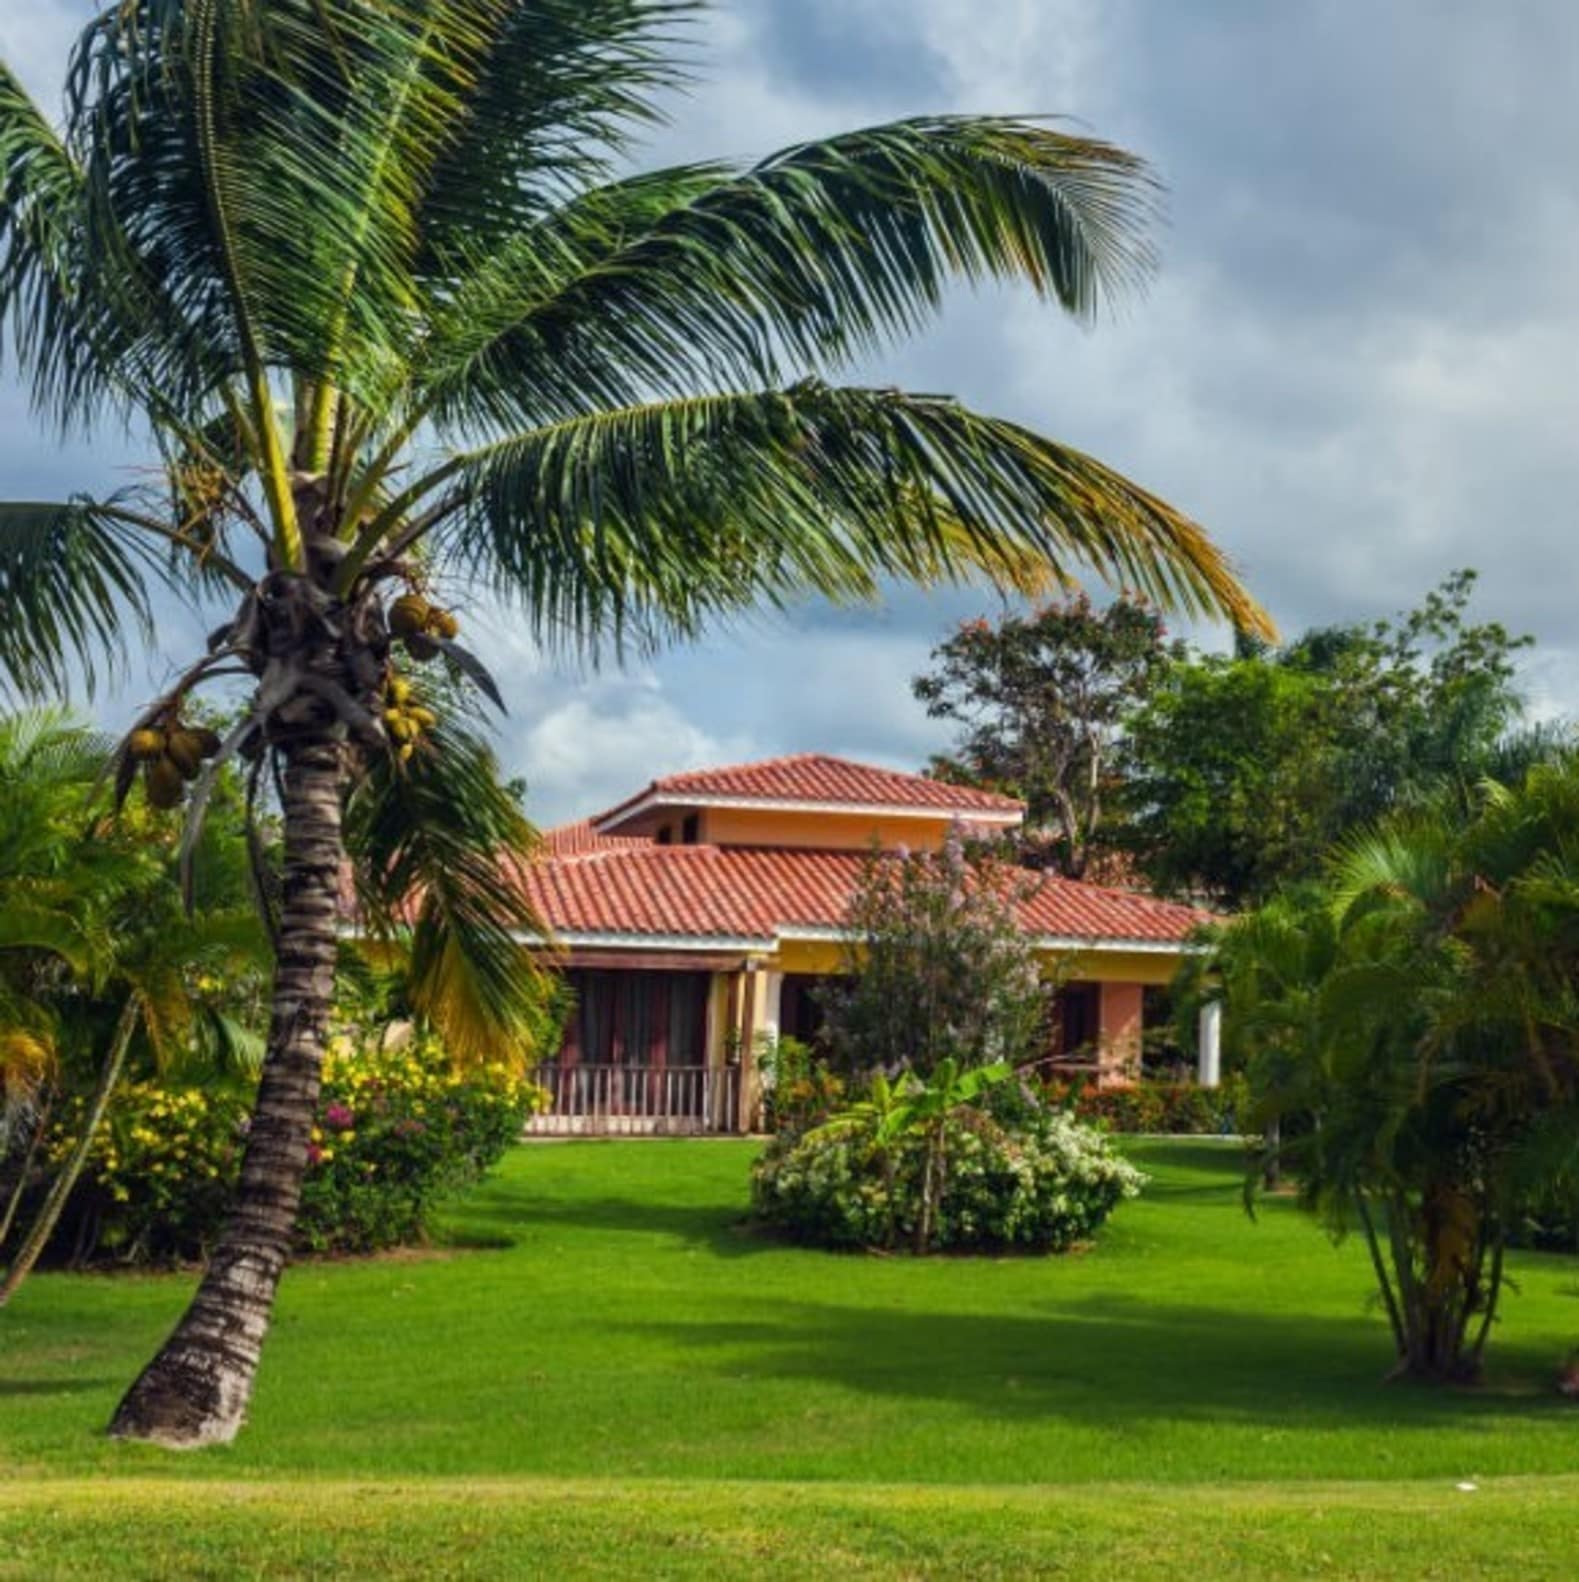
<point x="1119" y="1032"/>
<point x="1209" y="1039"/>
<point x="748" y="1054"/>
<point x="772" y="1004"/>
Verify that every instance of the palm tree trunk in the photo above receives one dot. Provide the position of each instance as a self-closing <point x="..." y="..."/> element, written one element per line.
<point x="60" y="1188"/>
<point x="14" y="1202"/>
<point x="195" y="1391"/>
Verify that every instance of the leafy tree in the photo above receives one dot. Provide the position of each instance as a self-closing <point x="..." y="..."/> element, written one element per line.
<point x="1415" y="1023"/>
<point x="937" y="970"/>
<point x="1242" y="771"/>
<point x="372" y="278"/>
<point x="1040" y="701"/>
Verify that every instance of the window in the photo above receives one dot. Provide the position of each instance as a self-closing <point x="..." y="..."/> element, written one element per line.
<point x="691" y="829"/>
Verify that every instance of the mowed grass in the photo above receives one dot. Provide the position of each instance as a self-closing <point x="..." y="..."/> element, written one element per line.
<point x="602" y="1356"/>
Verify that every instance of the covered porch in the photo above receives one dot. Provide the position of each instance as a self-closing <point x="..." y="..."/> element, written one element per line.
<point x="652" y="1048"/>
<point x="666" y="1043"/>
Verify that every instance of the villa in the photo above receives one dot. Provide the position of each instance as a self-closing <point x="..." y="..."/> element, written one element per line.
<point x="696" y="918"/>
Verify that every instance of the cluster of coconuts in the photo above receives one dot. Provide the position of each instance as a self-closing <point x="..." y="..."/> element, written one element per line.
<point x="420" y="625"/>
<point x="170" y="755"/>
<point x="405" y="719"/>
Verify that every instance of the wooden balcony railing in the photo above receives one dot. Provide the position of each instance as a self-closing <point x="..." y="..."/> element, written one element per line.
<point x="608" y="1100"/>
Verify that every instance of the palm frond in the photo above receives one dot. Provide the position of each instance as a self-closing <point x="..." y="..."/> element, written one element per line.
<point x="559" y="87"/>
<point x="40" y="206"/>
<point x="813" y="257"/>
<point x="73" y="579"/>
<point x="659" y="516"/>
<point x="438" y="844"/>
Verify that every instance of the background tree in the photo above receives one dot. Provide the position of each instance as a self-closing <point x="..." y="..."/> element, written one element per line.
<point x="372" y="278"/>
<point x="1040" y="700"/>
<point x="936" y="969"/>
<point x="1241" y="772"/>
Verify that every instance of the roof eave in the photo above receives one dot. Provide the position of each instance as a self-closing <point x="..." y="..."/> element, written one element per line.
<point x="622" y="817"/>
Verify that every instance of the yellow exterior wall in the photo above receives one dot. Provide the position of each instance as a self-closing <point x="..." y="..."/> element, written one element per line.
<point x="731" y="826"/>
<point x="1089" y="966"/>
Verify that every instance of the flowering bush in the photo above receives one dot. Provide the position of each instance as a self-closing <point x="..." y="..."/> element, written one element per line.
<point x="1177" y="1108"/>
<point x="798" y="1088"/>
<point x="1040" y="1186"/>
<point x="396" y="1130"/>
<point x="158" y="1178"/>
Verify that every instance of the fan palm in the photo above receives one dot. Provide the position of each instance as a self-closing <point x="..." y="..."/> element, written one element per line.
<point x="372" y="276"/>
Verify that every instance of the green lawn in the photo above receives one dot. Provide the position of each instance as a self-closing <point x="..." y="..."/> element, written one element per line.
<point x="604" y="1358"/>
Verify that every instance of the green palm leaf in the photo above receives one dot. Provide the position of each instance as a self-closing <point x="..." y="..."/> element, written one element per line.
<point x="663" y="515"/>
<point x="809" y="259"/>
<point x="73" y="579"/>
<point x="442" y="841"/>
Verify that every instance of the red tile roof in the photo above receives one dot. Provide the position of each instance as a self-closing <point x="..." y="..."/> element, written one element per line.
<point x="576" y="840"/>
<point x="753" y="893"/>
<point x="813" y="778"/>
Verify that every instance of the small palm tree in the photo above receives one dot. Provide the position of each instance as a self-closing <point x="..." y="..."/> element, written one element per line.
<point x="370" y="276"/>
<point x="1419" y="1017"/>
<point x="95" y="953"/>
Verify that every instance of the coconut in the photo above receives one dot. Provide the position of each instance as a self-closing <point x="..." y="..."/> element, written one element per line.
<point x="165" y="783"/>
<point x="444" y="624"/>
<point x="420" y="646"/>
<point x="209" y="740"/>
<point x="147" y="743"/>
<point x="409" y="614"/>
<point x="184" y="749"/>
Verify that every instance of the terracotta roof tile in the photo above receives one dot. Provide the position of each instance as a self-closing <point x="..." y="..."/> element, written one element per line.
<point x="583" y="836"/>
<point x="746" y="892"/>
<point x="817" y="778"/>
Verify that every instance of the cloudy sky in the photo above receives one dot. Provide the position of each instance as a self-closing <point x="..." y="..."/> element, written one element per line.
<point x="1351" y="367"/>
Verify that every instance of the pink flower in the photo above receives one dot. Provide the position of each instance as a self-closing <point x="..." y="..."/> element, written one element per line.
<point x="314" y="1154"/>
<point x="339" y="1117"/>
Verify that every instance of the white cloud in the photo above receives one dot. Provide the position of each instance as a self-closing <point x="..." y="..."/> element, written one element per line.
<point x="606" y="741"/>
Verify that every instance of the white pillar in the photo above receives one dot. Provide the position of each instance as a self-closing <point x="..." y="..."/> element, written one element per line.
<point x="772" y="1004"/>
<point x="1210" y="1040"/>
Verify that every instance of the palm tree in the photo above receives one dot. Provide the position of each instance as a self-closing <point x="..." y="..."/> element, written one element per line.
<point x="371" y="277"/>
<point x="96" y="951"/>
<point x="1419" y="1017"/>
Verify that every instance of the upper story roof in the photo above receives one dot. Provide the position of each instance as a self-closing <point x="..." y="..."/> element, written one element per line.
<point x="810" y="783"/>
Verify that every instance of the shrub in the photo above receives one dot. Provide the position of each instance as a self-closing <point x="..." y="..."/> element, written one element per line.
<point x="799" y="1090"/>
<point x="1039" y="1187"/>
<point x="397" y="1130"/>
<point x="158" y="1178"/>
<point x="1180" y="1109"/>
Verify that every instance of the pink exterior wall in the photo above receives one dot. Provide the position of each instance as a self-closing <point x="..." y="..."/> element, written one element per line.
<point x="1120" y="1019"/>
